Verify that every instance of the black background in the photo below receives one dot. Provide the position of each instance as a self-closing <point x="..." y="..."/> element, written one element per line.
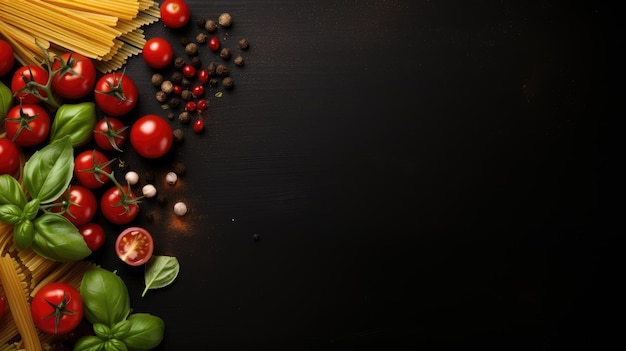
<point x="422" y="175"/>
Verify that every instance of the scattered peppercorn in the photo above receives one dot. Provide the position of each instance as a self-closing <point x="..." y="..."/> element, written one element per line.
<point x="149" y="190"/>
<point x="184" y="117"/>
<point x="243" y="44"/>
<point x="157" y="79"/>
<point x="184" y="40"/>
<point x="176" y="77"/>
<point x="191" y="49"/>
<point x="201" y="22"/>
<point x="221" y="70"/>
<point x="201" y="38"/>
<point x="174" y="103"/>
<point x="256" y="237"/>
<point x="131" y="178"/>
<point x="228" y="82"/>
<point x="225" y="20"/>
<point x="239" y="61"/>
<point x="210" y="26"/>
<point x="185" y="83"/>
<point x="179" y="62"/>
<point x="225" y="53"/>
<point x="211" y="68"/>
<point x="178" y="135"/>
<point x="214" y="82"/>
<point x="161" y="96"/>
<point x="186" y="95"/>
<point x="196" y="61"/>
<point x="167" y="87"/>
<point x="171" y="178"/>
<point x="180" y="209"/>
<point x="170" y="115"/>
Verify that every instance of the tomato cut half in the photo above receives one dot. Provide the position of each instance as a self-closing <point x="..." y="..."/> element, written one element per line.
<point x="134" y="246"/>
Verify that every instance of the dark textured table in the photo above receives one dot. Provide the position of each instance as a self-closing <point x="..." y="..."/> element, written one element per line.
<point x="421" y="175"/>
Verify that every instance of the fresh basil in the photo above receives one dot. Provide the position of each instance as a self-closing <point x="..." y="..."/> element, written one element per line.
<point x="6" y="99"/>
<point x="76" y="121"/>
<point x="11" y="191"/>
<point x="10" y="213"/>
<point x="105" y="297"/>
<point x="102" y="331"/>
<point x="160" y="271"/>
<point x="146" y="331"/>
<point x="23" y="234"/>
<point x="115" y="345"/>
<point x="48" y="172"/>
<point x="120" y="330"/>
<point x="89" y="343"/>
<point x="31" y="209"/>
<point x="56" y="238"/>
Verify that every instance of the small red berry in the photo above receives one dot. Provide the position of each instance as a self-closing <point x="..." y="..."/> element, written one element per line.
<point x="202" y="105"/>
<point x="177" y="89"/>
<point x="190" y="106"/>
<point x="214" y="44"/>
<point x="198" y="125"/>
<point x="204" y="76"/>
<point x="198" y="90"/>
<point x="189" y="71"/>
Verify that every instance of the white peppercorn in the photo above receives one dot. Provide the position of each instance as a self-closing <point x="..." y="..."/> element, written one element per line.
<point x="180" y="208"/>
<point x="171" y="178"/>
<point x="131" y="178"/>
<point x="149" y="190"/>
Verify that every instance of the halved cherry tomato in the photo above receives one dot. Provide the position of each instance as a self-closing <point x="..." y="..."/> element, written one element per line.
<point x="119" y="206"/>
<point x="174" y="13"/>
<point x="85" y="164"/>
<point x="116" y="94"/>
<point x="9" y="157"/>
<point x="76" y="78"/>
<point x="134" y="246"/>
<point x="157" y="52"/>
<point x="7" y="59"/>
<point x="110" y="134"/>
<point x="94" y="235"/>
<point x="151" y="136"/>
<point x="22" y="76"/>
<point x="27" y="124"/>
<point x="78" y="204"/>
<point x="57" y="308"/>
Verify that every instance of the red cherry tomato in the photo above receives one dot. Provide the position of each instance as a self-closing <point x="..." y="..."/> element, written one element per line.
<point x="22" y="76"/>
<point x="57" y="308"/>
<point x="93" y="234"/>
<point x="78" y="204"/>
<point x="84" y="165"/>
<point x="9" y="157"/>
<point x="134" y="246"/>
<point x="110" y="134"/>
<point x="157" y="53"/>
<point x="151" y="136"/>
<point x="116" y="94"/>
<point x="27" y="124"/>
<point x="174" y="13"/>
<point x="214" y="44"/>
<point x="7" y="59"/>
<point x="119" y="206"/>
<point x="76" y="79"/>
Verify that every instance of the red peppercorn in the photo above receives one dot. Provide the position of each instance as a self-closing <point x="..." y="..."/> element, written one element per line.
<point x="198" y="90"/>
<point x="190" y="106"/>
<point x="214" y="44"/>
<point x="198" y="125"/>
<point x="178" y="89"/>
<point x="189" y="71"/>
<point x="204" y="76"/>
<point x="202" y="105"/>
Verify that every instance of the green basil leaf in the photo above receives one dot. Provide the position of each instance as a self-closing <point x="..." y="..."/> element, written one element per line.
<point x="76" y="121"/>
<point x="6" y="99"/>
<point x="102" y="331"/>
<point x="49" y="171"/>
<point x="160" y="271"/>
<point x="146" y="331"/>
<point x="10" y="214"/>
<point x="105" y="297"/>
<point x="23" y="234"/>
<point x="89" y="343"/>
<point x="31" y="209"/>
<point x="57" y="239"/>
<point x="115" y="345"/>
<point x="11" y="191"/>
<point x="120" y="330"/>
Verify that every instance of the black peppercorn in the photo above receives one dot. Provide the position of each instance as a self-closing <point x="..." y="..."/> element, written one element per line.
<point x="176" y="77"/>
<point x="157" y="79"/>
<point x="256" y="237"/>
<point x="191" y="49"/>
<point x="201" y="38"/>
<point x="174" y="103"/>
<point x="239" y="61"/>
<point x="185" y="83"/>
<point x="184" y="117"/>
<point x="225" y="53"/>
<point x="161" y="96"/>
<point x="228" y="82"/>
<point x="201" y="22"/>
<point x="167" y="87"/>
<point x="186" y="95"/>
<point x="196" y="61"/>
<point x="221" y="70"/>
<point x="179" y="62"/>
<point x="184" y="40"/>
<point x="211" y="68"/>
<point x="170" y="115"/>
<point x="243" y="44"/>
<point x="210" y="26"/>
<point x="178" y="135"/>
<point x="214" y="82"/>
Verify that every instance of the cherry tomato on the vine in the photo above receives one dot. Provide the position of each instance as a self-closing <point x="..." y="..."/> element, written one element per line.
<point x="7" y="60"/>
<point x="85" y="164"/>
<point x="119" y="205"/>
<point x="151" y="136"/>
<point x="9" y="157"/>
<point x="157" y="53"/>
<point x="214" y="43"/>
<point x="76" y="78"/>
<point x="116" y="94"/>
<point x="20" y="79"/>
<point x="110" y="133"/>
<point x="57" y="308"/>
<point x="174" y="13"/>
<point x="93" y="234"/>
<point x="27" y="124"/>
<point x="78" y="204"/>
<point x="134" y="246"/>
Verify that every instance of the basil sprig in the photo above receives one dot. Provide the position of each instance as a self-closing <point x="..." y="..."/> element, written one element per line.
<point x="160" y="271"/>
<point x="75" y="120"/>
<point x="6" y="100"/>
<point x="47" y="174"/>
<point x="107" y="306"/>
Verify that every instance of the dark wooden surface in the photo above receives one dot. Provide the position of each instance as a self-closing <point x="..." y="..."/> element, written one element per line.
<point x="422" y="175"/>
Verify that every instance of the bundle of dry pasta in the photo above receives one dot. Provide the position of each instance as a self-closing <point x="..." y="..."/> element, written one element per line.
<point x="108" y="31"/>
